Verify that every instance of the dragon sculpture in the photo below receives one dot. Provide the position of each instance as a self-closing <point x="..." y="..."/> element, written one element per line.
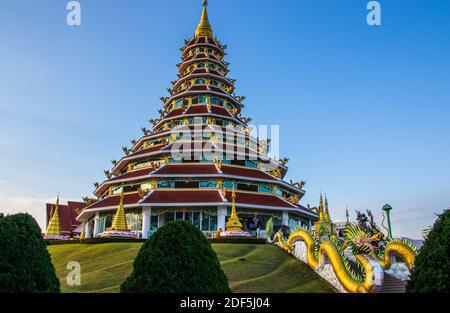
<point x="369" y="247"/>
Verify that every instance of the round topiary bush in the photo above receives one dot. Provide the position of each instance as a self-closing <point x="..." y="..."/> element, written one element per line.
<point x="432" y="270"/>
<point x="176" y="259"/>
<point x="25" y="264"/>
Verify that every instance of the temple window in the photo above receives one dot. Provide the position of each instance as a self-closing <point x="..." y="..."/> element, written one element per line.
<point x="217" y="101"/>
<point x="187" y="185"/>
<point x="209" y="222"/>
<point x="212" y="66"/>
<point x="201" y="65"/>
<point x="247" y="187"/>
<point x="199" y="100"/>
<point x="208" y="184"/>
<point x="214" y="82"/>
<point x="134" y="220"/>
<point x="166" y="184"/>
<point x="154" y="222"/>
<point x="265" y="189"/>
<point x="251" y="164"/>
<point x="228" y="184"/>
<point x="200" y="82"/>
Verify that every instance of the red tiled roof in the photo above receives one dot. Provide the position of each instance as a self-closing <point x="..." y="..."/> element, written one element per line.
<point x="197" y="109"/>
<point x="132" y="174"/>
<point x="217" y="89"/>
<point x="175" y="112"/>
<point x="259" y="199"/>
<point x="214" y="72"/>
<point x="220" y="111"/>
<point x="67" y="215"/>
<point x="184" y="196"/>
<point x="199" y="87"/>
<point x="199" y="71"/>
<point x="114" y="201"/>
<point x="190" y="169"/>
<point x="148" y="150"/>
<point x="245" y="172"/>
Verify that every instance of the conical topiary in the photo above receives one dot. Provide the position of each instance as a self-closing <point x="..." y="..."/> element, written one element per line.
<point x="176" y="259"/>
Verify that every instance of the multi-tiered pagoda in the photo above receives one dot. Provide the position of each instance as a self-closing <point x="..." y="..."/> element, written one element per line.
<point x="196" y="154"/>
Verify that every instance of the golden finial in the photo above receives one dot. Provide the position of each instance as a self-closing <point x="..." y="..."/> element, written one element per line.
<point x="120" y="222"/>
<point x="233" y="223"/>
<point x="327" y="212"/>
<point x="204" y="28"/>
<point x="321" y="208"/>
<point x="54" y="226"/>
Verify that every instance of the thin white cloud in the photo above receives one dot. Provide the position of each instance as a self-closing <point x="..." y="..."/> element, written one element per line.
<point x="33" y="206"/>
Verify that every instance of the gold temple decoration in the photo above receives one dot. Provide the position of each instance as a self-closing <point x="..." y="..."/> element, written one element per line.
<point x="204" y="27"/>
<point x="294" y="199"/>
<point x="120" y="222"/>
<point x="54" y="226"/>
<point x="327" y="212"/>
<point x="234" y="224"/>
<point x="83" y="234"/>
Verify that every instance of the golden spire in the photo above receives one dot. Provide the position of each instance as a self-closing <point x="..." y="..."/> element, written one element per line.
<point x="321" y="208"/>
<point x="327" y="212"/>
<point x="54" y="226"/>
<point x="204" y="28"/>
<point x="233" y="224"/>
<point x="120" y="222"/>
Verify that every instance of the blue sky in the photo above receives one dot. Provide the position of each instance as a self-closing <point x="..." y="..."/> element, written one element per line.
<point x="364" y="112"/>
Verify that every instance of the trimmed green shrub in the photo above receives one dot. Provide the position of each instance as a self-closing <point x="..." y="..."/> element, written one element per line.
<point x="25" y="264"/>
<point x="238" y="240"/>
<point x="176" y="259"/>
<point x="96" y="240"/>
<point x="432" y="270"/>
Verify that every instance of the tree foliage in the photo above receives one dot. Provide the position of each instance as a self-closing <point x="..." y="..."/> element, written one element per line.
<point x="432" y="270"/>
<point x="25" y="264"/>
<point x="176" y="259"/>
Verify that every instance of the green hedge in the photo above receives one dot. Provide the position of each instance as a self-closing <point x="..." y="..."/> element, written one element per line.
<point x="90" y="241"/>
<point x="240" y="240"/>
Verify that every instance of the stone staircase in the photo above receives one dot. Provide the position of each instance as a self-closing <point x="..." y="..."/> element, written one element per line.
<point x="393" y="285"/>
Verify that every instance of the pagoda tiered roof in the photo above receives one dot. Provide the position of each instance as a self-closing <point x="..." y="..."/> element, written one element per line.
<point x="163" y="154"/>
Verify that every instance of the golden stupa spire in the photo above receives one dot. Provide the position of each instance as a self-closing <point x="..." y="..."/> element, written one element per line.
<point x="120" y="222"/>
<point x="233" y="223"/>
<point x="54" y="226"/>
<point x="321" y="217"/>
<point x="346" y="213"/>
<point x="204" y="28"/>
<point x="327" y="212"/>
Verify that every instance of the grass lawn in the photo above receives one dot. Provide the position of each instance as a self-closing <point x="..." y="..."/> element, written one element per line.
<point x="249" y="268"/>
